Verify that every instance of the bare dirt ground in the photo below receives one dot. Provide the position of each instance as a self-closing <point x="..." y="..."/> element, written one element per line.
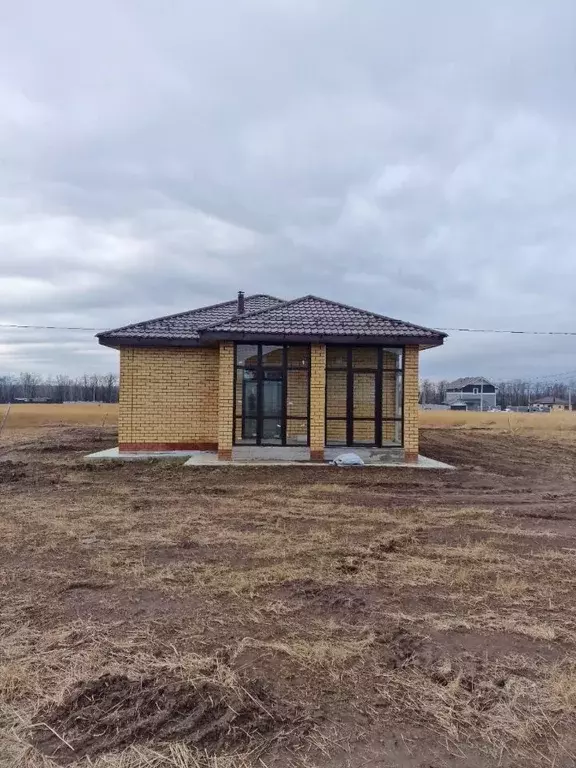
<point x="152" y="615"/>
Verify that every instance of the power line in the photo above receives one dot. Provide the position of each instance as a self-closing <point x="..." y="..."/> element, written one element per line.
<point x="48" y="327"/>
<point x="453" y="330"/>
<point x="555" y="375"/>
<point x="494" y="330"/>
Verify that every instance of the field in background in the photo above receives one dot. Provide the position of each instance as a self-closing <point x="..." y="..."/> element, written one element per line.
<point x="26" y="415"/>
<point x="562" y="424"/>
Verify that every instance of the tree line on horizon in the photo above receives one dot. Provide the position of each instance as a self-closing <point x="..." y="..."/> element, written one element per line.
<point x="88" y="388"/>
<point x="511" y="393"/>
<point x="103" y="388"/>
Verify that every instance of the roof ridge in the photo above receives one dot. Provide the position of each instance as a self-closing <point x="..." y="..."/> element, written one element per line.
<point x="241" y="316"/>
<point x="186" y="312"/>
<point x="336" y="304"/>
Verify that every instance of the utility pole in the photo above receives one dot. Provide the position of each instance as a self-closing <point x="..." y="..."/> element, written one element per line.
<point x="569" y="397"/>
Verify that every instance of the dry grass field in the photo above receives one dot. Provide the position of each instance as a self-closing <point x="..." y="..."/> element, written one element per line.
<point x="153" y="616"/>
<point x="560" y="424"/>
<point x="33" y="416"/>
<point x="28" y="416"/>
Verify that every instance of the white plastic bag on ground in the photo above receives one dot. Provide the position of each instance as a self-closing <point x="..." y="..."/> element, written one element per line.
<point x="348" y="460"/>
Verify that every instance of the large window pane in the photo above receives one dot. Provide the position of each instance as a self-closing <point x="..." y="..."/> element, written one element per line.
<point x="297" y="393"/>
<point x="272" y="398"/>
<point x="336" y="357"/>
<point x="364" y="357"/>
<point x="246" y="354"/>
<point x="364" y="406"/>
<point x="272" y="431"/>
<point x="246" y="431"/>
<point x="391" y="395"/>
<point x="391" y="433"/>
<point x="336" y="393"/>
<point x="238" y="388"/>
<point x="250" y="399"/>
<point x="336" y="432"/>
<point x="391" y="358"/>
<point x="272" y="355"/>
<point x="364" y="432"/>
<point x="298" y="356"/>
<point x="297" y="431"/>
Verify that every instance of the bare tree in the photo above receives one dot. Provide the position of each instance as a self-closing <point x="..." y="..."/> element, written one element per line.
<point x="29" y="383"/>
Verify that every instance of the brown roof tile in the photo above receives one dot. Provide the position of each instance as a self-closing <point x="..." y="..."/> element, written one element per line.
<point x="311" y="315"/>
<point x="185" y="325"/>
<point x="306" y="318"/>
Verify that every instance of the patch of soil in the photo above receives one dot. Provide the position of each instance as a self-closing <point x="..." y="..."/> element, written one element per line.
<point x="399" y="648"/>
<point x="102" y="602"/>
<point x="12" y="471"/>
<point x="113" y="712"/>
<point x="495" y="646"/>
<point x="329" y="596"/>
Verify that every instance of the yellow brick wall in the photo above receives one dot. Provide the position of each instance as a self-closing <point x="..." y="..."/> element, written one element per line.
<point x="225" y="399"/>
<point x="317" y="400"/>
<point x="168" y="395"/>
<point x="178" y="395"/>
<point x="411" y="400"/>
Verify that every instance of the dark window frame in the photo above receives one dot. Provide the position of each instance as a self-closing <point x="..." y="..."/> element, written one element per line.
<point x="260" y="369"/>
<point x="378" y="373"/>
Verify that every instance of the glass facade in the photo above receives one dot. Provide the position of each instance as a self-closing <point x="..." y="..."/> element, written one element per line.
<point x="271" y="402"/>
<point x="364" y="396"/>
<point x="364" y="393"/>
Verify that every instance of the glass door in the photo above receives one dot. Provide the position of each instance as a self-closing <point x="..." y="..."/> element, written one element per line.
<point x="249" y="406"/>
<point x="271" y="394"/>
<point x="272" y="397"/>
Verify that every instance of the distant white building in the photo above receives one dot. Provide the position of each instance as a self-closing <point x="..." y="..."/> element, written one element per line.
<point x="476" y="392"/>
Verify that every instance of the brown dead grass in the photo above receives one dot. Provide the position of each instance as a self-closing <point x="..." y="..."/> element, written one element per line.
<point x="433" y="610"/>
<point x="561" y="424"/>
<point x="556" y="424"/>
<point x="27" y="416"/>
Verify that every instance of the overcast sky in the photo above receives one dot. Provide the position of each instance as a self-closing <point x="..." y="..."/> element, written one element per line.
<point x="416" y="158"/>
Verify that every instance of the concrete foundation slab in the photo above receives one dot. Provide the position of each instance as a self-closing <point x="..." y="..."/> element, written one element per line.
<point x="254" y="456"/>
<point x="211" y="459"/>
<point x="114" y="453"/>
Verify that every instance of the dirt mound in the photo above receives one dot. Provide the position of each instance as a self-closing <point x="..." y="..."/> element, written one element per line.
<point x="113" y="712"/>
<point x="400" y="648"/>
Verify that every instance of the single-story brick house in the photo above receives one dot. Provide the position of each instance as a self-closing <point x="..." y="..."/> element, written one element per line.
<point x="262" y="371"/>
<point x="553" y="403"/>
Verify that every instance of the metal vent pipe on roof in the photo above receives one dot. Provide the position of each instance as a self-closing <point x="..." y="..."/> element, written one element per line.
<point x="240" y="302"/>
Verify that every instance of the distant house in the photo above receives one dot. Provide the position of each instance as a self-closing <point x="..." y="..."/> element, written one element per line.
<point x="553" y="403"/>
<point x="476" y="392"/>
<point x="458" y="405"/>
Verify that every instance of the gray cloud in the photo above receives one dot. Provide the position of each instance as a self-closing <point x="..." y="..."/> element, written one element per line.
<point x="417" y="160"/>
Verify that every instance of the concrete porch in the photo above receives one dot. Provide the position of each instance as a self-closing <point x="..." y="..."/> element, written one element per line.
<point x="273" y="456"/>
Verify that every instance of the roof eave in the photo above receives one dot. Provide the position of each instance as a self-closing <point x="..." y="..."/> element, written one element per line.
<point x="320" y="338"/>
<point x="130" y="341"/>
